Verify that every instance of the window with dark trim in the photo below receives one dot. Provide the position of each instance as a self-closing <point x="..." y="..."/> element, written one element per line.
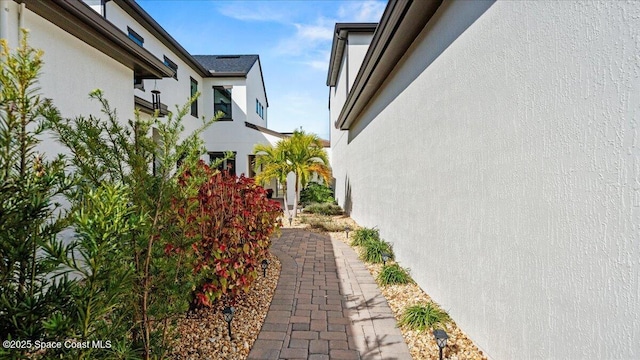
<point x="252" y="166"/>
<point x="222" y="102"/>
<point x="138" y="83"/>
<point x="135" y="37"/>
<point x="227" y="164"/>
<point x="194" y="91"/>
<point x="173" y="66"/>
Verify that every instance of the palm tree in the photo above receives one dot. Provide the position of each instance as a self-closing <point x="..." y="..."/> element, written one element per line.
<point x="306" y="156"/>
<point x="301" y="154"/>
<point x="274" y="165"/>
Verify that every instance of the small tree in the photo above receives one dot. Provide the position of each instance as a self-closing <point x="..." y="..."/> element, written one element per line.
<point x="271" y="163"/>
<point x="130" y="155"/>
<point x="30" y="294"/>
<point x="306" y="156"/>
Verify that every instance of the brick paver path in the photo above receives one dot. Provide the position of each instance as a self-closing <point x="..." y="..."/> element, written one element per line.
<point x="326" y="306"/>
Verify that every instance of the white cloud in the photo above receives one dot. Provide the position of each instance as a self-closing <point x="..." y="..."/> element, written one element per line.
<point x="366" y="11"/>
<point x="256" y="11"/>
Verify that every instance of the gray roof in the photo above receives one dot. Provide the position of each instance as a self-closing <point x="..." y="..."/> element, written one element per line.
<point x="227" y="64"/>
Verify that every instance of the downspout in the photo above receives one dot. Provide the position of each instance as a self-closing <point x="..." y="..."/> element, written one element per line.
<point x="21" y="12"/>
<point x="4" y="19"/>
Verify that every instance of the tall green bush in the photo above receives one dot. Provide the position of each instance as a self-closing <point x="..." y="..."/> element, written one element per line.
<point x="141" y="155"/>
<point x="30" y="215"/>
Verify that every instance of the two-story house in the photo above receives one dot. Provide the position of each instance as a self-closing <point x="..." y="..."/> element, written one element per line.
<point x="116" y="46"/>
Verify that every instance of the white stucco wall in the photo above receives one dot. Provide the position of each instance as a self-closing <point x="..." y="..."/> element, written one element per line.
<point x="255" y="90"/>
<point x="501" y="159"/>
<point x="173" y="92"/>
<point x="72" y="69"/>
<point x="357" y="46"/>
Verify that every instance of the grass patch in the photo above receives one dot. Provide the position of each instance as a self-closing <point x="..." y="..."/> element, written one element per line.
<point x="324" y="209"/>
<point x="373" y="250"/>
<point x="363" y="235"/>
<point x="423" y="316"/>
<point x="393" y="274"/>
<point x="322" y="222"/>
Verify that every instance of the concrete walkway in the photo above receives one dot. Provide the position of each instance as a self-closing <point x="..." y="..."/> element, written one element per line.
<point x="326" y="306"/>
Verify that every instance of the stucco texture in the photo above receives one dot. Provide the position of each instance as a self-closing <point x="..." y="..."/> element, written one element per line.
<point x="502" y="160"/>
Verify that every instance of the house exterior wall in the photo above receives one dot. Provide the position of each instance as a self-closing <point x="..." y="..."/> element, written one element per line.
<point x="501" y="159"/>
<point x="357" y="46"/>
<point x="65" y="57"/>
<point x="255" y="90"/>
<point x="173" y="92"/>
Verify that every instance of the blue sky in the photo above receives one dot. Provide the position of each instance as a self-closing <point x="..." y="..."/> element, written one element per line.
<point x="293" y="39"/>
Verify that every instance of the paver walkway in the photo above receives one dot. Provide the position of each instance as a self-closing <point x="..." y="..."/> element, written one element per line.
<point x="326" y="306"/>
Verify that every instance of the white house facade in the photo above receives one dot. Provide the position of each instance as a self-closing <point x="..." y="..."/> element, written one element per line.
<point x="116" y="46"/>
<point x="496" y="145"/>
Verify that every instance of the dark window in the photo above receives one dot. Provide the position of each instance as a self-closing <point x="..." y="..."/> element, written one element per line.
<point x="173" y="66"/>
<point x="252" y="166"/>
<point x="138" y="83"/>
<point x="194" y="104"/>
<point x="227" y="164"/>
<point x="135" y="37"/>
<point x="222" y="102"/>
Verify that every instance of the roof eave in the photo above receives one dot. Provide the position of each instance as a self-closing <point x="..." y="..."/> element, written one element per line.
<point x="141" y="16"/>
<point x="339" y="42"/>
<point x="401" y="23"/>
<point x="79" y="20"/>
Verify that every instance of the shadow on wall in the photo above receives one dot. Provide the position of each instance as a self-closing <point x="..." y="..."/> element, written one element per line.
<point x="347" y="204"/>
<point x="440" y="36"/>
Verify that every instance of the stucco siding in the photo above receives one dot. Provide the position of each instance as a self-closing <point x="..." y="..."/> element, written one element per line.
<point x="501" y="159"/>
<point x="173" y="91"/>
<point x="255" y="90"/>
<point x="72" y="69"/>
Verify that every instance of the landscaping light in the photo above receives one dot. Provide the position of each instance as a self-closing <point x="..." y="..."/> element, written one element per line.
<point x="227" y="312"/>
<point x="441" y="338"/>
<point x="290" y="220"/>
<point x="385" y="257"/>
<point x="265" y="264"/>
<point x="346" y="230"/>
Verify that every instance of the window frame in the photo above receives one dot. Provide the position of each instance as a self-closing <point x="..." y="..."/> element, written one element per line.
<point x="171" y="65"/>
<point x="229" y="94"/>
<point x="192" y="91"/>
<point x="135" y="37"/>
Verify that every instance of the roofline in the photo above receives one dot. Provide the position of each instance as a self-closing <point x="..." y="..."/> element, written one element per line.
<point x="264" y="88"/>
<point x="265" y="130"/>
<point x="79" y="20"/>
<point x="141" y="16"/>
<point x="339" y="42"/>
<point x="401" y="23"/>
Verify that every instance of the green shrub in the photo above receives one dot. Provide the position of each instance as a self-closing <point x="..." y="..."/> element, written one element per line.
<point x="393" y="274"/>
<point x="423" y="316"/>
<point x="324" y="209"/>
<point x="363" y="235"/>
<point x="373" y="250"/>
<point x="316" y="193"/>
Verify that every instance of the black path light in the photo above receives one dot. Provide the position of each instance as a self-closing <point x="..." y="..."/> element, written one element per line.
<point x="265" y="264"/>
<point x="290" y="220"/>
<point x="385" y="258"/>
<point x="227" y="313"/>
<point x="441" y="338"/>
<point x="346" y="230"/>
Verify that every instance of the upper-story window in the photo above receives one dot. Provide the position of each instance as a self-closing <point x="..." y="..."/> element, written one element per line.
<point x="97" y="5"/>
<point x="194" y="91"/>
<point x="259" y="109"/>
<point x="135" y="37"/>
<point x="222" y="102"/>
<point x="173" y="66"/>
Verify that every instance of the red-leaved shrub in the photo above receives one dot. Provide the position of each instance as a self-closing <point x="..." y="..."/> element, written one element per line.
<point x="232" y="223"/>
